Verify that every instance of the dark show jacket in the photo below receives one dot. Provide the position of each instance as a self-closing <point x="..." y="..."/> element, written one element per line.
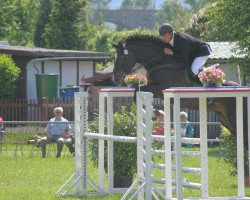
<point x="186" y="48"/>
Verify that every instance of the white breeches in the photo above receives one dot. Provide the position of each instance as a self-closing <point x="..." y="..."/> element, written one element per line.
<point x="198" y="63"/>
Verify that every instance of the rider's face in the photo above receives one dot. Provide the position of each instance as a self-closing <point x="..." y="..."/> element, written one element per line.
<point x="166" y="37"/>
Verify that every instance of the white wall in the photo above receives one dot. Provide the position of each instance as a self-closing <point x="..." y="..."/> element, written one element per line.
<point x="69" y="73"/>
<point x="231" y="73"/>
<point x="85" y="68"/>
<point x="31" y="79"/>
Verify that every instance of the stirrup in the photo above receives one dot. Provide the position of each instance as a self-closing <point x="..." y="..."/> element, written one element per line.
<point x="215" y="66"/>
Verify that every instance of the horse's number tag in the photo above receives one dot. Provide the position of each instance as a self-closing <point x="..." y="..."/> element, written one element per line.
<point x="125" y="51"/>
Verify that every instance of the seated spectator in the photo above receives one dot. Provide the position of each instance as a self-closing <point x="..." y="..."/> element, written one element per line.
<point x="186" y="127"/>
<point x="159" y="128"/>
<point x="57" y="132"/>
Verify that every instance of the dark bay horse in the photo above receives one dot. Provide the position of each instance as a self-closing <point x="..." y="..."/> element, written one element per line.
<point x="163" y="71"/>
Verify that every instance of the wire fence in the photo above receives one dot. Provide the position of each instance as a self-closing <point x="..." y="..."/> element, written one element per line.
<point x="20" y="138"/>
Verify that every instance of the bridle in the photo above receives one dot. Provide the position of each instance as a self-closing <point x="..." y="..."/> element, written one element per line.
<point x="136" y="67"/>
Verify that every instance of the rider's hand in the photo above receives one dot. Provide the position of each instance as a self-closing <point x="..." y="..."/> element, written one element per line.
<point x="168" y="51"/>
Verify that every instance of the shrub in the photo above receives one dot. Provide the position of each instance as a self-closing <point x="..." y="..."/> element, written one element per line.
<point x="125" y="154"/>
<point x="9" y="74"/>
<point x="229" y="152"/>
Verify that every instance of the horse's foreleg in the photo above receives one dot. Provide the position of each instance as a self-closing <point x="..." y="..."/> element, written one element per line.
<point x="225" y="110"/>
<point x="151" y="88"/>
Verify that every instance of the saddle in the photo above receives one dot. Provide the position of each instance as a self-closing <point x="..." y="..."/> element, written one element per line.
<point x="191" y="78"/>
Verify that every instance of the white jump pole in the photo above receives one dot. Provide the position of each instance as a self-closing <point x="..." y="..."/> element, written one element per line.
<point x="203" y="146"/>
<point x="81" y="126"/>
<point x="101" y="144"/>
<point x="144" y="147"/>
<point x="240" y="146"/>
<point x="167" y="130"/>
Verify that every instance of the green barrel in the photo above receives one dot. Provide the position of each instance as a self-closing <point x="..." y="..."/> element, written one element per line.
<point x="46" y="86"/>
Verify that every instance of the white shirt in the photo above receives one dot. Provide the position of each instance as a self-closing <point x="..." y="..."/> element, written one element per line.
<point x="183" y="132"/>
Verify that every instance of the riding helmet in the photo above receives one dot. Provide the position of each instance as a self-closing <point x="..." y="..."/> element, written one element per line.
<point x="165" y="28"/>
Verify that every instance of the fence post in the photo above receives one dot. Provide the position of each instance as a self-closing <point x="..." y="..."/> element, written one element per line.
<point x="44" y="113"/>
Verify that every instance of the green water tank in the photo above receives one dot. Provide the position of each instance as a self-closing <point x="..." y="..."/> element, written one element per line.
<point x="46" y="86"/>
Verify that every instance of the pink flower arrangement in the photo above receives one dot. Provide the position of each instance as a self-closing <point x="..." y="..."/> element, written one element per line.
<point x="134" y="79"/>
<point x="211" y="76"/>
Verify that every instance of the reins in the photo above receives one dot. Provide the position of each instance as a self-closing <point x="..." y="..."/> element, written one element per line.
<point x="146" y="63"/>
<point x="164" y="66"/>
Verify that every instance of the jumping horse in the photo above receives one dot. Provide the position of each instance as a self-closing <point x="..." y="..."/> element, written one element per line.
<point x="163" y="71"/>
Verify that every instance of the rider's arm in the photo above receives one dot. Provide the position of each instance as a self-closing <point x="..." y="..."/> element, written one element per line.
<point x="181" y="51"/>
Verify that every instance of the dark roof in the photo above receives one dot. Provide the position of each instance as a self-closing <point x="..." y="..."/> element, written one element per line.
<point x="43" y="52"/>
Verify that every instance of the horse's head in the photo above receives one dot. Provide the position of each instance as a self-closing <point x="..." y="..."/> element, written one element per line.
<point x="124" y="62"/>
<point x="147" y="50"/>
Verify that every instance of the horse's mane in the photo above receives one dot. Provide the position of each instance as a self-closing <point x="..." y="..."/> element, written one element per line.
<point x="145" y="39"/>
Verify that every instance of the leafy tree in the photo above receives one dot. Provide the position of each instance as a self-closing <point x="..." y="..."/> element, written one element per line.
<point x="42" y="20"/>
<point x="99" y="3"/>
<point x="25" y="15"/>
<point x="231" y="18"/>
<point x="174" y="13"/>
<point x="196" y="5"/>
<point x="200" y="27"/>
<point x="103" y="39"/>
<point x="9" y="74"/>
<point x="67" y="22"/>
<point x="6" y="19"/>
<point x="127" y="4"/>
<point x="17" y="21"/>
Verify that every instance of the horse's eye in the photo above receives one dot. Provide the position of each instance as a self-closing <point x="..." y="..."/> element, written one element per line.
<point x="125" y="51"/>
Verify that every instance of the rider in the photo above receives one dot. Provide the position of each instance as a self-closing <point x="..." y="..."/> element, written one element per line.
<point x="191" y="51"/>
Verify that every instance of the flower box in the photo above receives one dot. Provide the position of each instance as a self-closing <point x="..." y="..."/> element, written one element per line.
<point x="211" y="77"/>
<point x="135" y="79"/>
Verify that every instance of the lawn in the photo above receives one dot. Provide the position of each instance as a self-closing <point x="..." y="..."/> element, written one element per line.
<point x="35" y="178"/>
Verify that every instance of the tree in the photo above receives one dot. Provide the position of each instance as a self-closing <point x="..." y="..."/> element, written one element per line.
<point x="231" y="18"/>
<point x="174" y="13"/>
<point x="127" y="4"/>
<point x="67" y="22"/>
<point x="6" y="19"/>
<point x="200" y="27"/>
<point x="9" y="74"/>
<point x="99" y="3"/>
<point x="42" y="20"/>
<point x="196" y="5"/>
<point x="17" y="21"/>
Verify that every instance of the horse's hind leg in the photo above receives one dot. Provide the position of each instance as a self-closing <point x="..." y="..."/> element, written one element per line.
<point x="230" y="83"/>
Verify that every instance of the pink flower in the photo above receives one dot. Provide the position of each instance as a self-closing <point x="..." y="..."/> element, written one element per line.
<point x="134" y="78"/>
<point x="211" y="75"/>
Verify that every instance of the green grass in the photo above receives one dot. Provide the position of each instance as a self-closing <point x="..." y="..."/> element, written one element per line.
<point x="24" y="178"/>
